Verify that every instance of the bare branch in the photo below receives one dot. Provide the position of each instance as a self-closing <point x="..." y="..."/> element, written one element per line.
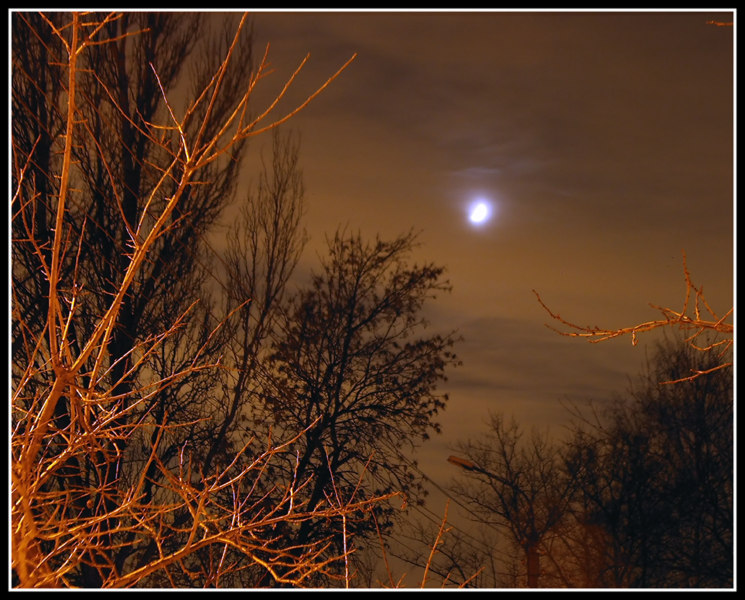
<point x="702" y="320"/>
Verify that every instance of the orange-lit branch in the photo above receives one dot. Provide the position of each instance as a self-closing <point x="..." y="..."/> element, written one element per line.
<point x="74" y="404"/>
<point x="702" y="320"/>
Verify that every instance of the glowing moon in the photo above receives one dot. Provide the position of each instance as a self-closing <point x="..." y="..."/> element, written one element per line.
<point x="480" y="212"/>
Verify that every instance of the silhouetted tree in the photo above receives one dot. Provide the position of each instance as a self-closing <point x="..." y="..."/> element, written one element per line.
<point x="353" y="368"/>
<point x="641" y="495"/>
<point x="264" y="244"/>
<point x="655" y="476"/>
<point x="518" y="485"/>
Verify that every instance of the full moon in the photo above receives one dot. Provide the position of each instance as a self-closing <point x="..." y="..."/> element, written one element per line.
<point x="479" y="213"/>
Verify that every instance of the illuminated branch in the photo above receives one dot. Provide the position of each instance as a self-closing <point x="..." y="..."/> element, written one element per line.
<point x="72" y="510"/>
<point x="702" y="320"/>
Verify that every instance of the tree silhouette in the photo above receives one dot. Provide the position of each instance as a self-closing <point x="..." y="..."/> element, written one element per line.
<point x="655" y="476"/>
<point x="352" y="367"/>
<point x="517" y="485"/>
<point x="639" y="495"/>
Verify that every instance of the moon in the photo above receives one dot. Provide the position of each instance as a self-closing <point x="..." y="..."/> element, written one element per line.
<point x="479" y="212"/>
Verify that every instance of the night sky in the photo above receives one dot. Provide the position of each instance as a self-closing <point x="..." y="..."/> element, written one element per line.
<point x="602" y="140"/>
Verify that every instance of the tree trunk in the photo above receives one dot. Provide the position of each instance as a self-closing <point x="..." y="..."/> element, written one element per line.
<point x="534" y="565"/>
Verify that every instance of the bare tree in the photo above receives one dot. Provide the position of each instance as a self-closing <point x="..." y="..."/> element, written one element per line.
<point x="352" y="366"/>
<point x="655" y="477"/>
<point x="517" y="486"/>
<point x="89" y="506"/>
<point x="641" y="495"/>
<point x="264" y="246"/>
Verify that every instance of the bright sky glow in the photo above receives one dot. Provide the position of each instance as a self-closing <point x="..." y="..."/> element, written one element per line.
<point x="479" y="212"/>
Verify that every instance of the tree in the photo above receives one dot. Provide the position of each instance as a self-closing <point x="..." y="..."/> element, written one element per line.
<point x="517" y="486"/>
<point x="353" y="368"/>
<point x="115" y="158"/>
<point x="264" y="245"/>
<point x="640" y="495"/>
<point x="108" y="414"/>
<point x="655" y="476"/>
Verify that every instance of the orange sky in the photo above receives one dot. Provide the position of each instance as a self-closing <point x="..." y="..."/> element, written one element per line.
<point x="604" y="141"/>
